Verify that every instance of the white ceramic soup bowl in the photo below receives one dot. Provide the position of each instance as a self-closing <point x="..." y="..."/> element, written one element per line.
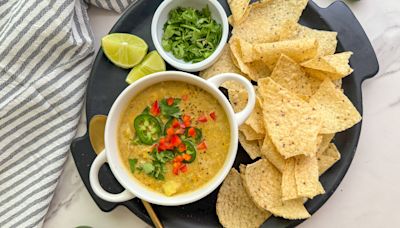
<point x="110" y="155"/>
<point x="161" y="17"/>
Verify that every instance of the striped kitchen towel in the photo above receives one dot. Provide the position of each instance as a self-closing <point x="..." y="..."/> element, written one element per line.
<point x="46" y="51"/>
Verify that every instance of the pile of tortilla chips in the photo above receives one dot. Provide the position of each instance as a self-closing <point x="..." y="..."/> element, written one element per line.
<point x="300" y="106"/>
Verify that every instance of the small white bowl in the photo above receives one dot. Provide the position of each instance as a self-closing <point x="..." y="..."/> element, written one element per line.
<point x="160" y="18"/>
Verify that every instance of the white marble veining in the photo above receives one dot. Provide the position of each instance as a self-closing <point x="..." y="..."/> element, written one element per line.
<point x="368" y="195"/>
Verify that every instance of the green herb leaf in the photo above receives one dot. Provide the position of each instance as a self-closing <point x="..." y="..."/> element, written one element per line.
<point x="132" y="164"/>
<point x="146" y="110"/>
<point x="190" y="34"/>
<point x="171" y="110"/>
<point x="147" y="168"/>
<point x="163" y="156"/>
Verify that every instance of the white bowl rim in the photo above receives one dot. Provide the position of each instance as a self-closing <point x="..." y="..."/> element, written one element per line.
<point x="190" y="67"/>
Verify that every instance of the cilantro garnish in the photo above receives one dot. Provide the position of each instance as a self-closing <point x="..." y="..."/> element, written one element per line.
<point x="190" y="34"/>
<point x="171" y="110"/>
<point x="132" y="164"/>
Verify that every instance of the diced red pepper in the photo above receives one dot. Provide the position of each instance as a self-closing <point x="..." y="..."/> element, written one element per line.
<point x="192" y="132"/>
<point x="182" y="147"/>
<point x="155" y="109"/>
<point x="213" y="116"/>
<point x="187" y="157"/>
<point x="183" y="168"/>
<point x="202" y="119"/>
<point x="175" y="171"/>
<point x="175" y="140"/>
<point x="165" y="144"/>
<point x="170" y="131"/>
<point x="185" y="97"/>
<point x="178" y="159"/>
<point x="187" y="120"/>
<point x="170" y="101"/>
<point x="202" y="146"/>
<point x="175" y="123"/>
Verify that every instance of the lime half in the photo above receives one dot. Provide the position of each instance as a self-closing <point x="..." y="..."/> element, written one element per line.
<point x="152" y="63"/>
<point x="124" y="50"/>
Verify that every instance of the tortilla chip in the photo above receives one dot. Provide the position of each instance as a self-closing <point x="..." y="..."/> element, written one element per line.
<point x="269" y="152"/>
<point x="251" y="147"/>
<point x="253" y="128"/>
<point x="255" y="120"/>
<point x="249" y="132"/>
<point x="337" y="83"/>
<point x="299" y="50"/>
<point x="291" y="209"/>
<point x="330" y="66"/>
<point x="290" y="75"/>
<point x="234" y="207"/>
<point x="289" y="187"/>
<point x="238" y="99"/>
<point x="265" y="19"/>
<point x="334" y="109"/>
<point x="327" y="158"/>
<point x="263" y="184"/>
<point x="291" y="122"/>
<point x="326" y="140"/>
<point x="238" y="9"/>
<point x="307" y="177"/>
<point x="223" y="65"/>
<point x="327" y="41"/>
<point x="255" y="70"/>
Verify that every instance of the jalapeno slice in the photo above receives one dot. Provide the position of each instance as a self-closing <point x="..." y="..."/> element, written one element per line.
<point x="198" y="135"/>
<point x="190" y="150"/>
<point x="148" y="128"/>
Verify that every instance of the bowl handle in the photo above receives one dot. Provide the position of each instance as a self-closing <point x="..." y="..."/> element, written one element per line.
<point x="248" y="109"/>
<point x="98" y="190"/>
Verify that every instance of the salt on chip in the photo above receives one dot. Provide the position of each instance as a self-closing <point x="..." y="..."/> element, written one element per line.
<point x="265" y="19"/>
<point x="289" y="186"/>
<point x="334" y="109"/>
<point x="224" y="64"/>
<point x="234" y="207"/>
<point x="238" y="9"/>
<point x="255" y="70"/>
<point x="290" y="121"/>
<point x="327" y="158"/>
<point x="263" y="184"/>
<point x="269" y="152"/>
<point x="290" y="75"/>
<point x="307" y="176"/>
<point x="327" y="41"/>
<point x="334" y="66"/>
<point x="299" y="50"/>
<point x="251" y="147"/>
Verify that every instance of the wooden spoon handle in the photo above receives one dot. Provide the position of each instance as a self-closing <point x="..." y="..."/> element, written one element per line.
<point x="152" y="214"/>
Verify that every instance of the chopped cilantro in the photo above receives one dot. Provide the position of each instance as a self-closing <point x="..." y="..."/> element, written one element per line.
<point x="171" y="110"/>
<point x="190" y="34"/>
<point x="132" y="164"/>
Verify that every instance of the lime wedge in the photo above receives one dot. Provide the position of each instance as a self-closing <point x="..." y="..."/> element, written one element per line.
<point x="152" y="63"/>
<point x="124" y="50"/>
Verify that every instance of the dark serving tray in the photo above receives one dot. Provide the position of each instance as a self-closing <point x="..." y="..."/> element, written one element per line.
<point x="107" y="81"/>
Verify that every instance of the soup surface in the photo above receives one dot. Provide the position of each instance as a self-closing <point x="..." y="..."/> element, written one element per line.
<point x="173" y="137"/>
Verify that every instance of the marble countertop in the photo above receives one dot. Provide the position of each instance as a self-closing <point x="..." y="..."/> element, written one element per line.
<point x="368" y="195"/>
